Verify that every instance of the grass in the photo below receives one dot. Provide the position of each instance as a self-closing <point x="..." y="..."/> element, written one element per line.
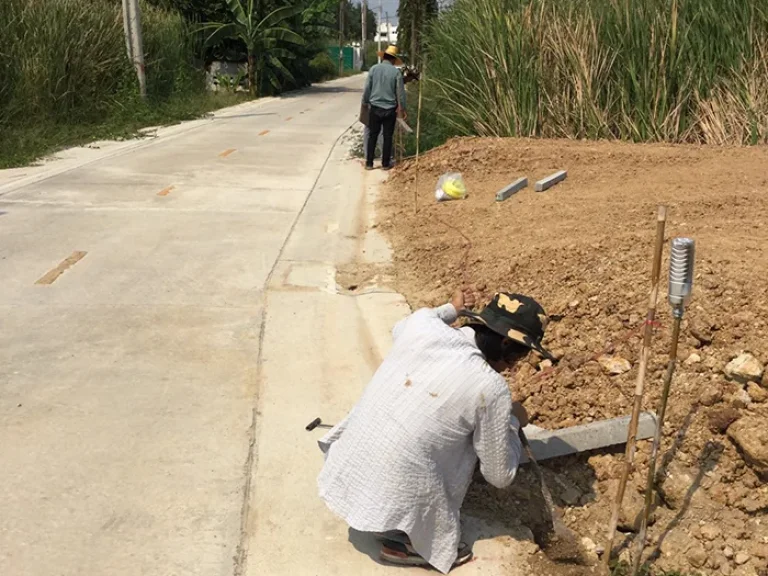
<point x="66" y="78"/>
<point x="21" y="145"/>
<point x="639" y="70"/>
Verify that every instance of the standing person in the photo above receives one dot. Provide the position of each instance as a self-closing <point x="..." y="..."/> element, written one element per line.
<point x="400" y="463"/>
<point x="384" y="94"/>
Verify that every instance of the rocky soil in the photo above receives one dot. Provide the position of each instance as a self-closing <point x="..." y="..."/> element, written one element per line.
<point x="583" y="249"/>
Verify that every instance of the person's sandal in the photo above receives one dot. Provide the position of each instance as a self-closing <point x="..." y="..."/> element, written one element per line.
<point x="404" y="554"/>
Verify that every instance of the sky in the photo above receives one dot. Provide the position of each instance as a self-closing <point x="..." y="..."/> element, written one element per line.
<point x="386" y="6"/>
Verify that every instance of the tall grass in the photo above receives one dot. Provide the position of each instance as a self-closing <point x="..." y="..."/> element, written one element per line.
<point x="642" y="70"/>
<point x="64" y="73"/>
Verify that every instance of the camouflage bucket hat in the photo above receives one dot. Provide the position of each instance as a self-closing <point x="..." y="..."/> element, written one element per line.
<point x="519" y="318"/>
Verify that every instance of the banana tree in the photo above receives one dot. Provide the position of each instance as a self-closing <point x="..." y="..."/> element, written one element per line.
<point x="266" y="38"/>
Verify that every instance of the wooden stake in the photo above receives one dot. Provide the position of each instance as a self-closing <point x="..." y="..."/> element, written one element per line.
<point x="656" y="445"/>
<point x="418" y="141"/>
<point x="645" y="352"/>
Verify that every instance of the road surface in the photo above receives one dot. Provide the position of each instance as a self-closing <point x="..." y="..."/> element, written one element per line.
<point x="169" y="323"/>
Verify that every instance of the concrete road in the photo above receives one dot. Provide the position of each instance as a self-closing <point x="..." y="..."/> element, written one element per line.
<point x="169" y="323"/>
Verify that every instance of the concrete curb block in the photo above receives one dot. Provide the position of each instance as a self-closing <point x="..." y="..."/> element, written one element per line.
<point x="513" y="188"/>
<point x="549" y="181"/>
<point x="548" y="444"/>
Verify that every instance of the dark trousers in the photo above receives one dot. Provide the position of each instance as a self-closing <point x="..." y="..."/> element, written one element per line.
<point x="381" y="118"/>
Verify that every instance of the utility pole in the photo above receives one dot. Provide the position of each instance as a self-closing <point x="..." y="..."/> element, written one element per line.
<point x="342" y="6"/>
<point x="378" y="24"/>
<point x="389" y="35"/>
<point x="364" y="12"/>
<point x="134" y="42"/>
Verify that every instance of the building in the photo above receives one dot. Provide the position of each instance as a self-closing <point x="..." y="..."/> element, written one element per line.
<point x="387" y="33"/>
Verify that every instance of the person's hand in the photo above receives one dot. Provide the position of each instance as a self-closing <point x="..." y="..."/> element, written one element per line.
<point x="463" y="299"/>
<point x="518" y="411"/>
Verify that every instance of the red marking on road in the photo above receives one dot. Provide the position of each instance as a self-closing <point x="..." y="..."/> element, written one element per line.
<point x="51" y="276"/>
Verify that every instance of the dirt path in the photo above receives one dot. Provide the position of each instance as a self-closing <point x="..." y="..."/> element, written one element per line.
<point x="583" y="249"/>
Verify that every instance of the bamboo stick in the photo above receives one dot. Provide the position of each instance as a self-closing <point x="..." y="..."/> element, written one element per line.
<point x="645" y="352"/>
<point x="656" y="445"/>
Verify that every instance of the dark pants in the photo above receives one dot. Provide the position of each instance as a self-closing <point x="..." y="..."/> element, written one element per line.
<point x="381" y="118"/>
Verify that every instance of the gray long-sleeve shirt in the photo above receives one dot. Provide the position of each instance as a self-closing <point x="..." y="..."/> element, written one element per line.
<point x="404" y="456"/>
<point x="385" y="87"/>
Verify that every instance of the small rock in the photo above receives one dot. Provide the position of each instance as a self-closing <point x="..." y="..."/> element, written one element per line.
<point x="545" y="364"/>
<point x="760" y="550"/>
<point x="590" y="550"/>
<point x="721" y="419"/>
<point x="701" y="331"/>
<point x="710" y="532"/>
<point x="741" y="558"/>
<point x="741" y="399"/>
<point x="726" y="569"/>
<point x="757" y="393"/>
<point x="573" y="304"/>
<point x="675" y="486"/>
<point x="614" y="365"/>
<point x="570" y="496"/>
<point x="744" y="368"/>
<point x="692" y="359"/>
<point x="750" y="505"/>
<point x="625" y="556"/>
<point x="751" y="435"/>
<point x="632" y="509"/>
<point x="728" y="552"/>
<point x="710" y="395"/>
<point x="697" y="556"/>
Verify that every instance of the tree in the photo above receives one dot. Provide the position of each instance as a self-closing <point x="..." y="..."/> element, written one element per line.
<point x="415" y="16"/>
<point x="353" y="22"/>
<point x="264" y="35"/>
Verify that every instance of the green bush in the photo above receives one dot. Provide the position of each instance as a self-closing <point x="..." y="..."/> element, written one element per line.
<point x="642" y="70"/>
<point x="322" y="68"/>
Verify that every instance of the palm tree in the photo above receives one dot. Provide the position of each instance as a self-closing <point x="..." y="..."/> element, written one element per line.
<point x="264" y="39"/>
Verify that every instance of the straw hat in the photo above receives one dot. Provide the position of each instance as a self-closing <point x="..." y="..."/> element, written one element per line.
<point x="392" y="51"/>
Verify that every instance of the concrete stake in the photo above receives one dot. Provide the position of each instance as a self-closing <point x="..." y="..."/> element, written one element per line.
<point x="550" y="181"/>
<point x="507" y="191"/>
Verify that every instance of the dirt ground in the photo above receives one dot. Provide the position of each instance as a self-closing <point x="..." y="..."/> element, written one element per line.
<point x="583" y="249"/>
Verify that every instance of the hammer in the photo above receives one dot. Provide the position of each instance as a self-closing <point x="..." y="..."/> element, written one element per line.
<point x="316" y="423"/>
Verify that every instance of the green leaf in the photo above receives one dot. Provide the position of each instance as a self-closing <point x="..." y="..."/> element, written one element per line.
<point x="220" y="32"/>
<point x="280" y="15"/>
<point x="238" y="11"/>
<point x="275" y="63"/>
<point x="282" y="53"/>
<point x="285" y="35"/>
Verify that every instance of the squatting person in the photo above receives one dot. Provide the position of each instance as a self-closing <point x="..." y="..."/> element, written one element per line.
<point x="399" y="465"/>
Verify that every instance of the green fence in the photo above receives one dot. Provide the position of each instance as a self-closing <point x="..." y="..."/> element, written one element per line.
<point x="347" y="55"/>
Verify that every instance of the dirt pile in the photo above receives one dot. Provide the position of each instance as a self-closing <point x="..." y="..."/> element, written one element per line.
<point x="583" y="249"/>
